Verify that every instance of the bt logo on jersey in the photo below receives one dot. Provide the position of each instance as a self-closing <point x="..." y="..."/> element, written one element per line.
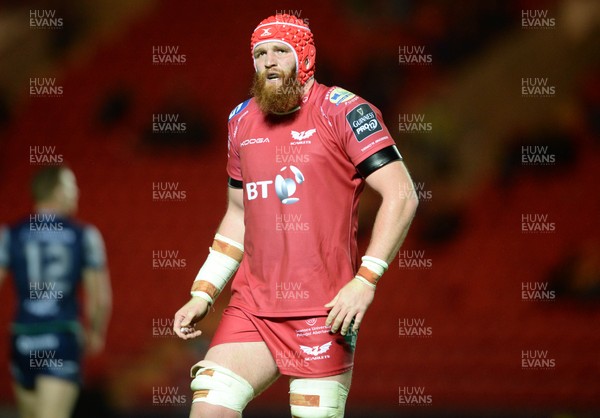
<point x="285" y="187"/>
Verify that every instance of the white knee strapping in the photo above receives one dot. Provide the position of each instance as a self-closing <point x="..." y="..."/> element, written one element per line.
<point x="217" y="385"/>
<point x="315" y="398"/>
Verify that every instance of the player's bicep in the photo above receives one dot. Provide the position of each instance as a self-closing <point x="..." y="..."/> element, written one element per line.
<point x="93" y="249"/>
<point x="236" y="199"/>
<point x="391" y="180"/>
<point x="232" y="225"/>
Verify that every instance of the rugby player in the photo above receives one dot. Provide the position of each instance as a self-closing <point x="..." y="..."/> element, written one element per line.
<point x="50" y="255"/>
<point x="300" y="153"/>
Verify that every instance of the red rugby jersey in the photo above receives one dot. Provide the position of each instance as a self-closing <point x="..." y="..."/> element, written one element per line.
<point x="301" y="189"/>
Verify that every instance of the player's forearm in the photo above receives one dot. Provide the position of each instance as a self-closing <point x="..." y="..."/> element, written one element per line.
<point x="391" y="226"/>
<point x="98" y="319"/>
<point x="99" y="302"/>
<point x="101" y="315"/>
<point x="225" y="254"/>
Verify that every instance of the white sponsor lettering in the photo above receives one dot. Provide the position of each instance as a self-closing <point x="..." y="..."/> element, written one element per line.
<point x="252" y="141"/>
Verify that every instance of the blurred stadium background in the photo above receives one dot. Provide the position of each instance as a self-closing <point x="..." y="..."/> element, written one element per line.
<point x="468" y="257"/>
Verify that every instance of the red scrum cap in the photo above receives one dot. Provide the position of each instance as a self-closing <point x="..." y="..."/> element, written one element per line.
<point x="296" y="34"/>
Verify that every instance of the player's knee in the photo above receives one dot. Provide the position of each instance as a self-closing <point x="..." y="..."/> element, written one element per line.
<point x="220" y="386"/>
<point x="315" y="398"/>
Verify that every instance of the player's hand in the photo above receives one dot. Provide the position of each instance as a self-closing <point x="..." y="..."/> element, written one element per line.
<point x="94" y="342"/>
<point x="350" y="303"/>
<point x="188" y="316"/>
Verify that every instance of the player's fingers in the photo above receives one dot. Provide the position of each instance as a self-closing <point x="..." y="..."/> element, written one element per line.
<point x="177" y="325"/>
<point x="334" y="311"/>
<point x="190" y="335"/>
<point x="188" y="331"/>
<point x="180" y="333"/>
<point x="189" y="319"/>
<point x="177" y="320"/>
<point x="332" y="315"/>
<point x="339" y="319"/>
<point x="346" y="324"/>
<point x="183" y="325"/>
<point x="357" y="321"/>
<point x="333" y="302"/>
<point x="330" y="318"/>
<point x="185" y="322"/>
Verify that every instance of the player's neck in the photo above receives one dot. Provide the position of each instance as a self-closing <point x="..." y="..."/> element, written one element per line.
<point x="308" y="86"/>
<point x="307" y="89"/>
<point x="50" y="207"/>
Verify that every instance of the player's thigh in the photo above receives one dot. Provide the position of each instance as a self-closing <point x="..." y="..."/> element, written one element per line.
<point x="26" y="401"/>
<point x="251" y="360"/>
<point x="55" y="397"/>
<point x="344" y="378"/>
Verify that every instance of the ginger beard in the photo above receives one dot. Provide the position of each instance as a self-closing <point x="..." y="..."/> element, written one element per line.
<point x="280" y="97"/>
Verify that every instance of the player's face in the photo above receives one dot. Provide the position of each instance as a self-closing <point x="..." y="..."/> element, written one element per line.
<point x="68" y="191"/>
<point x="275" y="60"/>
<point x="276" y="88"/>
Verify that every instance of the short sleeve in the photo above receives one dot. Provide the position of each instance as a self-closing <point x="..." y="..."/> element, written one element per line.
<point x="234" y="166"/>
<point x="234" y="169"/>
<point x="363" y="130"/>
<point x="359" y="130"/>
<point x="94" y="254"/>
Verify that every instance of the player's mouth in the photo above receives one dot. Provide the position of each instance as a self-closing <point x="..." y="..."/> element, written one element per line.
<point x="273" y="76"/>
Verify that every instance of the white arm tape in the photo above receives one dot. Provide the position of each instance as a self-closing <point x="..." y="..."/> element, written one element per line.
<point x="217" y="269"/>
<point x="374" y="264"/>
<point x="365" y="281"/>
<point x="203" y="295"/>
<point x="230" y="242"/>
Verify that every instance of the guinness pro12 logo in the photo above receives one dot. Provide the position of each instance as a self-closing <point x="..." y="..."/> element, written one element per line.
<point x="363" y="121"/>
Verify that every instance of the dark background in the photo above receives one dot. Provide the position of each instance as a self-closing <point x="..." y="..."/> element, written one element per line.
<point x="473" y="257"/>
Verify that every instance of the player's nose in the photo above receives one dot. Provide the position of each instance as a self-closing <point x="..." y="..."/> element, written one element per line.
<point x="270" y="59"/>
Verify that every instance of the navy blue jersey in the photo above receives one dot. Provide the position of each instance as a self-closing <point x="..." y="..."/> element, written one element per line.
<point x="47" y="255"/>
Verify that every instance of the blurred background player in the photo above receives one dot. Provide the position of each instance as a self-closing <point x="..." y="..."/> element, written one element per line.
<point x="50" y="255"/>
<point x="308" y="334"/>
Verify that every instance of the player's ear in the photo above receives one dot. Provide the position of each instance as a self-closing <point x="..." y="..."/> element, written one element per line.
<point x="310" y="57"/>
